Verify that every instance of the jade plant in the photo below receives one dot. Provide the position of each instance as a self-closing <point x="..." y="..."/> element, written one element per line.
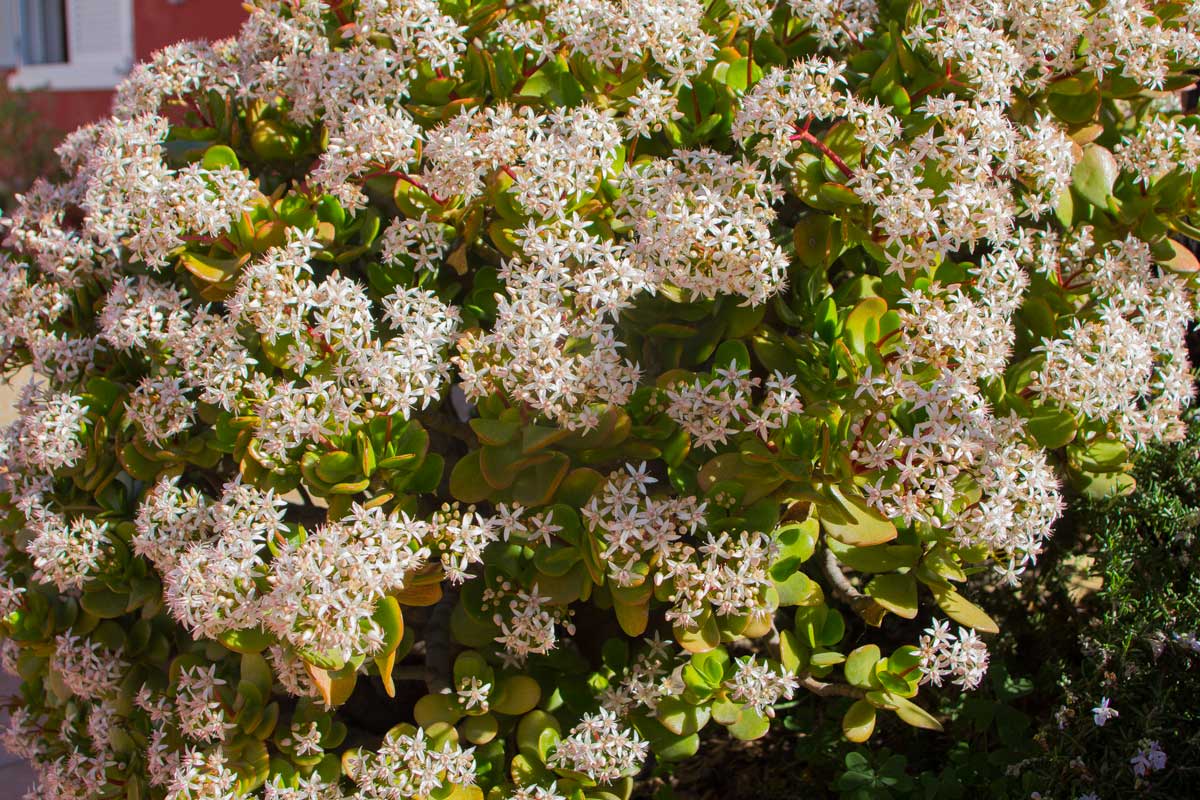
<point x="477" y="399"/>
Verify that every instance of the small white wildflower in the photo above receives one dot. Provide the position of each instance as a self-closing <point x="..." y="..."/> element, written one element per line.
<point x="473" y="693"/>
<point x="1149" y="758"/>
<point x="1103" y="713"/>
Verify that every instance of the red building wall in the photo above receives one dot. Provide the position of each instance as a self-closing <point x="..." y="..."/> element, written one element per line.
<point x="64" y="111"/>
<point x="156" y="24"/>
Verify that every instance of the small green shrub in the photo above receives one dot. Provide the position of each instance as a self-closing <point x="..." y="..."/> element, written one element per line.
<point x="26" y="145"/>
<point x="1135" y="638"/>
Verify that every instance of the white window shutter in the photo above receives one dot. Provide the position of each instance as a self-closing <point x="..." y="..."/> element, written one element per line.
<point x="100" y="36"/>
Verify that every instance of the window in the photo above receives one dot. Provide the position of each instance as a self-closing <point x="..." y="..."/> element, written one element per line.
<point x="73" y="44"/>
<point x="10" y="37"/>
<point x="43" y="31"/>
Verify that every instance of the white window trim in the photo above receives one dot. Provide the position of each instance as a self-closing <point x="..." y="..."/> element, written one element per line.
<point x="79" y="74"/>
<point x="72" y="75"/>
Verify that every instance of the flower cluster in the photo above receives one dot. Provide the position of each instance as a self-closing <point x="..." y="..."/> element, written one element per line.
<point x="1126" y="361"/>
<point x="410" y="766"/>
<point x="134" y="202"/>
<point x="713" y="410"/>
<point x="527" y="621"/>
<point x="66" y="553"/>
<point x="701" y="222"/>
<point x="958" y="438"/>
<point x="553" y="344"/>
<point x="600" y="748"/>
<point x="1163" y="146"/>
<point x="636" y="528"/>
<point x="760" y="686"/>
<point x="1004" y="48"/>
<point x="647" y="538"/>
<point x="46" y="435"/>
<point x="649" y="679"/>
<point x="962" y="658"/>
<point x="324" y="589"/>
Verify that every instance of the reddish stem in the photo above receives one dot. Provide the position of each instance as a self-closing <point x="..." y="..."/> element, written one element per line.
<point x="849" y="33"/>
<point x="805" y="136"/>
<point x="887" y="336"/>
<point x="441" y="201"/>
<point x="326" y="347"/>
<point x="336" y="8"/>
<point x="196" y="107"/>
<point x="527" y="73"/>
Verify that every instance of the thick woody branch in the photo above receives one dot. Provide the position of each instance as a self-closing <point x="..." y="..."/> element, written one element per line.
<point x="862" y="605"/>
<point x="842" y="588"/>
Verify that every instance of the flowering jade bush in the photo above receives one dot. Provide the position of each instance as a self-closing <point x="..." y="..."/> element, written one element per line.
<point x="477" y="399"/>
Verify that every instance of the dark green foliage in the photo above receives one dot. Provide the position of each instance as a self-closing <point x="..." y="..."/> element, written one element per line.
<point x="26" y="145"/>
<point x="1120" y="642"/>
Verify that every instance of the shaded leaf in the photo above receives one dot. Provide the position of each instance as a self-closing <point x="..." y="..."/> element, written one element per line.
<point x="964" y="612"/>
<point x="859" y="722"/>
<point x="897" y="593"/>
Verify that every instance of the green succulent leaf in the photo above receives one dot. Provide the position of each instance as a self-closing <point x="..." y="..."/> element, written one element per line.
<point x="964" y="612"/>
<point x="895" y="592"/>
<point x="860" y="665"/>
<point x="845" y="516"/>
<point x="859" y="722"/>
<point x="1095" y="174"/>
